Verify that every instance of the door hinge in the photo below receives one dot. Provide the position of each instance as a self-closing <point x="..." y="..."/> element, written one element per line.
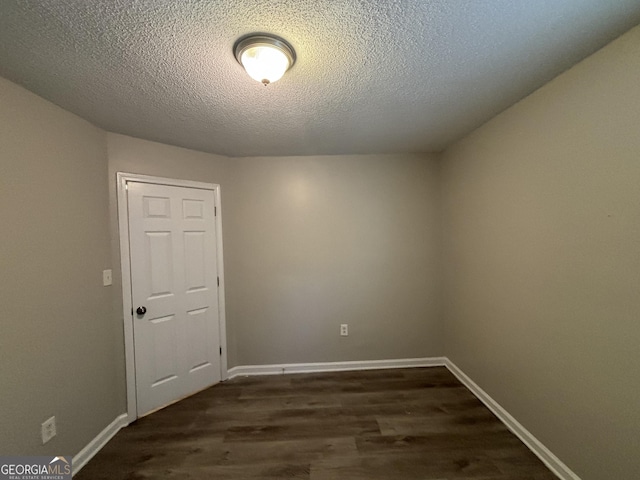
<point x="220" y="351"/>
<point x="215" y="211"/>
<point x="218" y="281"/>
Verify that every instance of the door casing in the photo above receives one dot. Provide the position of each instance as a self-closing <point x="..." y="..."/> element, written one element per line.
<point x="125" y="265"/>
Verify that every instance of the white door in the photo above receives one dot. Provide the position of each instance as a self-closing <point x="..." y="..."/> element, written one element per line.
<point x="174" y="292"/>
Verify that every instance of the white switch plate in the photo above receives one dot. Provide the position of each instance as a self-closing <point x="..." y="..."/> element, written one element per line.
<point x="48" y="429"/>
<point x="344" y="330"/>
<point x="106" y="278"/>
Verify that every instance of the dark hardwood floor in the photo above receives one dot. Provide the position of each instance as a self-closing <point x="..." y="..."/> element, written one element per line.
<point x="418" y="423"/>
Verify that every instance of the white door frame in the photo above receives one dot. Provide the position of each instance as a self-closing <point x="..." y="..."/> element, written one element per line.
<point x="125" y="264"/>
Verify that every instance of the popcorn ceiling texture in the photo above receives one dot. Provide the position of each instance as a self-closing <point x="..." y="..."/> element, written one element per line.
<point x="371" y="76"/>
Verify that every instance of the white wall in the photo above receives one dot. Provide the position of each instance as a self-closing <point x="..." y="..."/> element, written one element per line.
<point x="541" y="210"/>
<point x="57" y="354"/>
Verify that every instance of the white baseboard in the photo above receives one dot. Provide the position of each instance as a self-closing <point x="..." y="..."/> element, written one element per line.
<point x="95" y="445"/>
<point x="280" y="369"/>
<point x="543" y="453"/>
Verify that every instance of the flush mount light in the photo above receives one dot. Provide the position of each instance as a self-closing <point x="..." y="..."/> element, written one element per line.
<point x="264" y="57"/>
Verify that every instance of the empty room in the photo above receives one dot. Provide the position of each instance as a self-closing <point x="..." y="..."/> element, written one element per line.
<point x="320" y="239"/>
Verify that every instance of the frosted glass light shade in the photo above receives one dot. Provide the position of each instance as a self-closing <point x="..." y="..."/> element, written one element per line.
<point x="265" y="59"/>
<point x="264" y="63"/>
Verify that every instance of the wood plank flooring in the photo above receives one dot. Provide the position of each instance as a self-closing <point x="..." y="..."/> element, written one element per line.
<point x="418" y="423"/>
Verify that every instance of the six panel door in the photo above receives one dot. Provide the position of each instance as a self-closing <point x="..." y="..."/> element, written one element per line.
<point x="172" y="235"/>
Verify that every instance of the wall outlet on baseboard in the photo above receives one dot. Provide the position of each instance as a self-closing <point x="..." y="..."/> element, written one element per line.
<point x="48" y="429"/>
<point x="344" y="330"/>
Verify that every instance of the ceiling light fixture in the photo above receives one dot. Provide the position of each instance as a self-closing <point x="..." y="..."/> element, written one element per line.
<point x="265" y="57"/>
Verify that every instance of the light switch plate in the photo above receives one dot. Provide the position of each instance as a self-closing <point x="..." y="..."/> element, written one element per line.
<point x="106" y="278"/>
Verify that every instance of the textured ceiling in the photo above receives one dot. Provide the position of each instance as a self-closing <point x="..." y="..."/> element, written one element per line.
<point x="371" y="76"/>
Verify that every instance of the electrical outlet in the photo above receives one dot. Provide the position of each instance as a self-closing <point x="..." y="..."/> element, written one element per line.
<point x="344" y="330"/>
<point x="48" y="429"/>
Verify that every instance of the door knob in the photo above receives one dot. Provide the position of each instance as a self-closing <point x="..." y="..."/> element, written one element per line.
<point x="141" y="310"/>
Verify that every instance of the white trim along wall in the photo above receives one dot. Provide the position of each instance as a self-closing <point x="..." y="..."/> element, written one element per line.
<point x="543" y="453"/>
<point x="95" y="445"/>
<point x="249" y="370"/>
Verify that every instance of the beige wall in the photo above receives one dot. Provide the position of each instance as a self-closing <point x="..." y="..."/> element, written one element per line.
<point x="541" y="210"/>
<point x="57" y="353"/>
<point x="312" y="242"/>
